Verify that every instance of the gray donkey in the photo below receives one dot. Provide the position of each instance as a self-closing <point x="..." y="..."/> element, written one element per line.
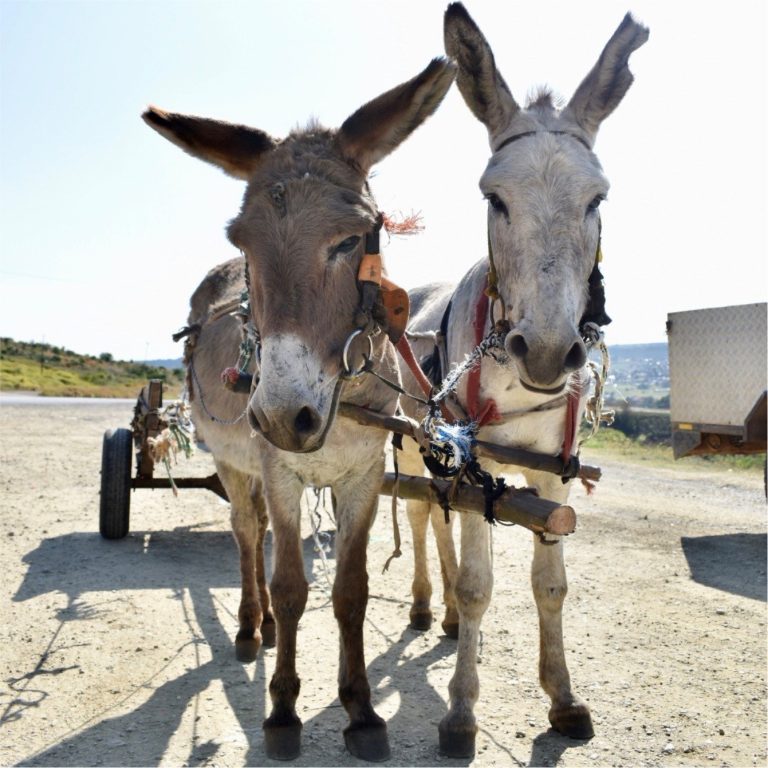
<point x="306" y="219"/>
<point x="543" y="184"/>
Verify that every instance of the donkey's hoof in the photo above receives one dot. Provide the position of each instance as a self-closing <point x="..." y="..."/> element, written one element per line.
<point x="367" y="742"/>
<point x="573" y="721"/>
<point x="246" y="649"/>
<point x="268" y="633"/>
<point x="451" y="629"/>
<point x="282" y="738"/>
<point x="451" y="622"/>
<point x="457" y="742"/>
<point x="421" y="621"/>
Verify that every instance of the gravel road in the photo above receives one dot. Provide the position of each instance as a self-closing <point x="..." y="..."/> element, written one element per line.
<point x="121" y="652"/>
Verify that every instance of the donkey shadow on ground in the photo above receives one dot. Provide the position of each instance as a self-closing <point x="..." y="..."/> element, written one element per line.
<point x="192" y="563"/>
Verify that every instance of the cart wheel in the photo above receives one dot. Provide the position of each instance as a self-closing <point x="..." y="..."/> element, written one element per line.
<point x="115" y="507"/>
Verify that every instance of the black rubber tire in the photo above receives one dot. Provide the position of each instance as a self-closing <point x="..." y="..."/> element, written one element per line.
<point x="115" y="506"/>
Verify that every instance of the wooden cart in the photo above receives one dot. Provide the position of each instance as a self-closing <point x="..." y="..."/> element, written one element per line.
<point x="125" y="449"/>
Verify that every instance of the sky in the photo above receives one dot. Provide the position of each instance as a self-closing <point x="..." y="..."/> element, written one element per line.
<point x="106" y="228"/>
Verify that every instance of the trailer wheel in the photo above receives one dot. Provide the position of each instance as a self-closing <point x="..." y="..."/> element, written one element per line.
<point x="115" y="506"/>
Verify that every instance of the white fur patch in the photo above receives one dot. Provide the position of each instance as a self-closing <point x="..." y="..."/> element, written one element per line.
<point x="291" y="376"/>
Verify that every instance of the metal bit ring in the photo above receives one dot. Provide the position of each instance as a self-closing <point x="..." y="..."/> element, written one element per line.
<point x="349" y="372"/>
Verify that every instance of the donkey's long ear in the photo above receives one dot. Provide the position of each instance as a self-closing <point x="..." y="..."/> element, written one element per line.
<point x="236" y="149"/>
<point x="604" y="87"/>
<point x="480" y="83"/>
<point x="377" y="128"/>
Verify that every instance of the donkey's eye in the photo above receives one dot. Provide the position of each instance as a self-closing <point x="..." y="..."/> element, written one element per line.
<point x="595" y="204"/>
<point x="497" y="204"/>
<point x="346" y="246"/>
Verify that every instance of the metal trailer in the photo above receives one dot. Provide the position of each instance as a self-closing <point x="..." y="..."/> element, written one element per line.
<point x="717" y="369"/>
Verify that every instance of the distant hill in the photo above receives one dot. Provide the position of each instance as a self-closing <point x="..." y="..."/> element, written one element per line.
<point x="50" y="370"/>
<point x="639" y="375"/>
<point x="173" y="364"/>
<point x="626" y="352"/>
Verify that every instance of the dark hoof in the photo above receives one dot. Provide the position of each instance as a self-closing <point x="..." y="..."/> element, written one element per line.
<point x="455" y="743"/>
<point x="246" y="649"/>
<point x="282" y="741"/>
<point x="451" y="629"/>
<point x="368" y="742"/>
<point x="268" y="633"/>
<point x="573" y="721"/>
<point x="421" y="621"/>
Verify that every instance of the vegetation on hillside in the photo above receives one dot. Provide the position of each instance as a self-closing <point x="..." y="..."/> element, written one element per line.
<point x="639" y="376"/>
<point x="50" y="370"/>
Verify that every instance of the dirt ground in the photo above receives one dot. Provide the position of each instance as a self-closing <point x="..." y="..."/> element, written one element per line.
<point x="121" y="652"/>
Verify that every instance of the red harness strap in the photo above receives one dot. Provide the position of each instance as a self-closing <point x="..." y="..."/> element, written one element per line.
<point x="487" y="412"/>
<point x="571" y="420"/>
<point x="480" y="413"/>
<point x="403" y="346"/>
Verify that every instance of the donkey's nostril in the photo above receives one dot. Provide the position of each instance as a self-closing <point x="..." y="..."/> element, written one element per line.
<point x="307" y="421"/>
<point x="516" y="345"/>
<point x="576" y="357"/>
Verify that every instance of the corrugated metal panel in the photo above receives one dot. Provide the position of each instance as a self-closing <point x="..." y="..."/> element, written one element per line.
<point x="717" y="363"/>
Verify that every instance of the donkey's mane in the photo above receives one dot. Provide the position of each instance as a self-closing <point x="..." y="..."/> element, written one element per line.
<point x="543" y="98"/>
<point x="313" y="125"/>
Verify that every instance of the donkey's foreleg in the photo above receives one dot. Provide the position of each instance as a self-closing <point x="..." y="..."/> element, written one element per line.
<point x="443" y="530"/>
<point x="282" y="729"/>
<point x="568" y="714"/>
<point x="366" y="735"/>
<point x="419" y="513"/>
<point x="411" y="463"/>
<point x="473" y="587"/>
<point x="421" y="586"/>
<point x="249" y="524"/>
<point x="260" y="509"/>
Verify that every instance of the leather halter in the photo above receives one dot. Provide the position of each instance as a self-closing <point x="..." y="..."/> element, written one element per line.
<point x="383" y="303"/>
<point x="517" y="136"/>
<point x="487" y="412"/>
<point x="595" y="309"/>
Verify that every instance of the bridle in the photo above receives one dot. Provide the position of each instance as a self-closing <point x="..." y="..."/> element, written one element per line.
<point x="522" y="135"/>
<point x="594" y="313"/>
<point x="370" y="317"/>
<point x="383" y="306"/>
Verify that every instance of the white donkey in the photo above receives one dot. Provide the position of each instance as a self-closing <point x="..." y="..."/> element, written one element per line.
<point x="543" y="184"/>
<point x="306" y="220"/>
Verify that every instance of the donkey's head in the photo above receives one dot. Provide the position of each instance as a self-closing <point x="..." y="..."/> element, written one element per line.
<point x="302" y="227"/>
<point x="544" y="185"/>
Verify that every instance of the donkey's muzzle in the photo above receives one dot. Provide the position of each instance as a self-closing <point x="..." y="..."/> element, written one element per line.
<point x="293" y="402"/>
<point x="297" y="429"/>
<point x="543" y="362"/>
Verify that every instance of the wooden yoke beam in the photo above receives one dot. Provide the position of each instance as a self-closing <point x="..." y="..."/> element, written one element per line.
<point x="498" y="453"/>
<point x="516" y="505"/>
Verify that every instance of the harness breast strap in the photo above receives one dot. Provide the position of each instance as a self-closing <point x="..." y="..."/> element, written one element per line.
<point x="487" y="412"/>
